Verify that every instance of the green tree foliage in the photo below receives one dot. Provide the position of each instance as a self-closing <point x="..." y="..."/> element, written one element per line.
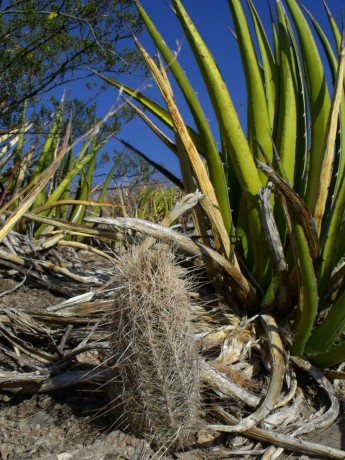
<point x="45" y="44"/>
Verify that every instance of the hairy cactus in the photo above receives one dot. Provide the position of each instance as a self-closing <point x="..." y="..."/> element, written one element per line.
<point x="156" y="379"/>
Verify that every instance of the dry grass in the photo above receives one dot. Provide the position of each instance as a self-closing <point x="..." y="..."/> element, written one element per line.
<point x="156" y="379"/>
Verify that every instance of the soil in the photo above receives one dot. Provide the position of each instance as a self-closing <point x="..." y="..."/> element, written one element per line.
<point x="75" y="422"/>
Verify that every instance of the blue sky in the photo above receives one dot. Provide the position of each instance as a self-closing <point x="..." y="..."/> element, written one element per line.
<point x="213" y="20"/>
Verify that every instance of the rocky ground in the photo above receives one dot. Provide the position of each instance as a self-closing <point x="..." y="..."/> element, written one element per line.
<point x="75" y="423"/>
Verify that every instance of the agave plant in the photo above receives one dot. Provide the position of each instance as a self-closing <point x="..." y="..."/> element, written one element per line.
<point x="283" y="252"/>
<point x="38" y="177"/>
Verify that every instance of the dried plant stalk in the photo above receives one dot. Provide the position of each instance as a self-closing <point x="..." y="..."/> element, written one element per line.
<point x="156" y="382"/>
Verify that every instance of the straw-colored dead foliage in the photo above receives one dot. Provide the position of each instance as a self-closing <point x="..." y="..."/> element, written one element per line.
<point x="156" y="388"/>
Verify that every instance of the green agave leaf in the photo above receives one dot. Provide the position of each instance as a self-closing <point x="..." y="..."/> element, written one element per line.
<point x="79" y="164"/>
<point x="333" y="357"/>
<point x="50" y="144"/>
<point x="286" y="139"/>
<point x="83" y="158"/>
<point x="301" y="157"/>
<point x="234" y="188"/>
<point x="325" y="335"/>
<point x="332" y="60"/>
<point x="307" y="295"/>
<point x="105" y="185"/>
<point x="233" y="137"/>
<point x="335" y="29"/>
<point x="146" y="197"/>
<point x="85" y="184"/>
<point x="155" y="202"/>
<point x="304" y="250"/>
<point x="259" y="127"/>
<point x="69" y="159"/>
<point x="339" y="164"/>
<point x="341" y="243"/>
<point x="329" y="143"/>
<point x="275" y="37"/>
<point x="42" y="181"/>
<point x="19" y="158"/>
<point x="331" y="235"/>
<point x="332" y="238"/>
<point x="318" y="97"/>
<point x="270" y="69"/>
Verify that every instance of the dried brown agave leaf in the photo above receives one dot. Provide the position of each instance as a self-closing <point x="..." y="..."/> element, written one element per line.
<point x="328" y="418"/>
<point x="276" y="381"/>
<point x="297" y="205"/>
<point x="241" y="288"/>
<point x="277" y="439"/>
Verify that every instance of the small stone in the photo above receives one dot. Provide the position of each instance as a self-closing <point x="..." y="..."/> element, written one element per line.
<point x="41" y="418"/>
<point x="205" y="438"/>
<point x="5" y="450"/>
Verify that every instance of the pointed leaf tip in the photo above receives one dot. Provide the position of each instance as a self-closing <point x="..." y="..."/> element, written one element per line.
<point x="327" y="8"/>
